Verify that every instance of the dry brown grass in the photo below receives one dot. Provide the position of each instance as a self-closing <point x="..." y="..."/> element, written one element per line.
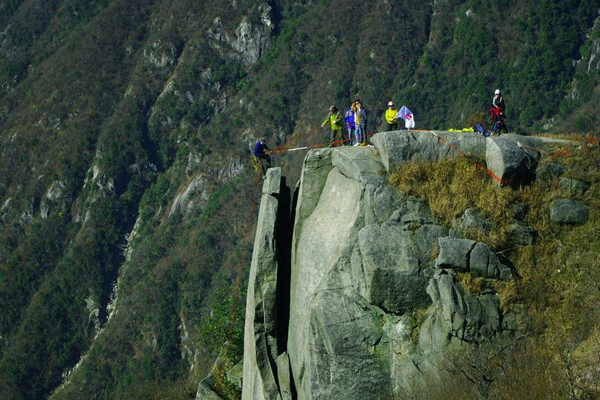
<point x="558" y="283"/>
<point x="470" y="283"/>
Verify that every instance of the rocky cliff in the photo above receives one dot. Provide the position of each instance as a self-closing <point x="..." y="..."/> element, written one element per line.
<point x="375" y="308"/>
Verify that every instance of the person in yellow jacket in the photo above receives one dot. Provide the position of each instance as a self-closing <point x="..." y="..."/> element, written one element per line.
<point x="390" y="117"/>
<point x="334" y="118"/>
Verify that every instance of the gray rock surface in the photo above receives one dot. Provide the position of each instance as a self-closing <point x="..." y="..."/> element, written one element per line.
<point x="463" y="255"/>
<point x="460" y="315"/>
<point x="471" y="219"/>
<point x="260" y="345"/>
<point x="511" y="164"/>
<point x="573" y="186"/>
<point x="572" y="212"/>
<point x="252" y="40"/>
<point x="321" y="238"/>
<point x="522" y="234"/>
<point x="284" y="375"/>
<point x="57" y="199"/>
<point x="365" y="262"/>
<point x="547" y="172"/>
<point x="405" y="146"/>
<point x="359" y="164"/>
<point x="344" y="333"/>
<point x="236" y="374"/>
<point x="454" y="254"/>
<point x="185" y="201"/>
<point x="392" y="267"/>
<point x="206" y="390"/>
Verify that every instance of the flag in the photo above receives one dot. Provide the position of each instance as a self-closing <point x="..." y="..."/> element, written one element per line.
<point x="407" y="116"/>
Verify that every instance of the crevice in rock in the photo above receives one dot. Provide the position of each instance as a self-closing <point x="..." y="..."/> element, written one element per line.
<point x="283" y="232"/>
<point x="469" y="257"/>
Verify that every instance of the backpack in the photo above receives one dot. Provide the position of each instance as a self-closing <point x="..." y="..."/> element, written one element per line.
<point x="479" y="129"/>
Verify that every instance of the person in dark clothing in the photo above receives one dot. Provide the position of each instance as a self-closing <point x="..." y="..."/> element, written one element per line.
<point x="361" y="124"/>
<point x="261" y="152"/>
<point x="497" y="113"/>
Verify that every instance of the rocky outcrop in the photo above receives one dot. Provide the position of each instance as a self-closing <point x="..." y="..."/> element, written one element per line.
<point x="252" y="36"/>
<point x="266" y="317"/>
<point x="510" y="159"/>
<point x="56" y="199"/>
<point x="465" y="255"/>
<point x="186" y="201"/>
<point x="572" y="212"/>
<point x="375" y="303"/>
<point x="406" y="146"/>
<point x="511" y="163"/>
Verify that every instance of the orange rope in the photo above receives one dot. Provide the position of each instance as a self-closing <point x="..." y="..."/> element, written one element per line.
<point x="295" y="139"/>
<point x="485" y="170"/>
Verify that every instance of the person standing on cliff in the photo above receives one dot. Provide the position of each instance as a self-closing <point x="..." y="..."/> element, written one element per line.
<point x="350" y="123"/>
<point x="361" y="124"/>
<point x="390" y="117"/>
<point x="497" y="112"/>
<point x="334" y="118"/>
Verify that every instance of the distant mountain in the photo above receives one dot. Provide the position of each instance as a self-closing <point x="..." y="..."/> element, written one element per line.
<point x="125" y="170"/>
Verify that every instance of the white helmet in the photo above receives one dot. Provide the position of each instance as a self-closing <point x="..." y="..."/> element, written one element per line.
<point x="497" y="91"/>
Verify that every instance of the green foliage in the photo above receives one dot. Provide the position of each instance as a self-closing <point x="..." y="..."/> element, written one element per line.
<point x="88" y="94"/>
<point x="224" y="327"/>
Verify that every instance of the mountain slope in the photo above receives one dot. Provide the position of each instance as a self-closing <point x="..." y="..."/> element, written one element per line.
<point x="124" y="135"/>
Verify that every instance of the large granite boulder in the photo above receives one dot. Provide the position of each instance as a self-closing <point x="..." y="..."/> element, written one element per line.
<point x="406" y="146"/>
<point x="345" y="336"/>
<point x="571" y="212"/>
<point x="463" y="255"/>
<point x="374" y="303"/>
<point x="392" y="265"/>
<point x="459" y="315"/>
<point x="510" y="163"/>
<point x="260" y="379"/>
<point x="321" y="237"/>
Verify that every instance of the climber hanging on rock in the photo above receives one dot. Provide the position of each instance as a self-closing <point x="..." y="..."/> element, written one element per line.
<point x="261" y="155"/>
<point x="334" y="118"/>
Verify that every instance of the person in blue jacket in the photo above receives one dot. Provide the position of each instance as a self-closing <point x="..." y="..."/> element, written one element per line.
<point x="261" y="152"/>
<point x="350" y="123"/>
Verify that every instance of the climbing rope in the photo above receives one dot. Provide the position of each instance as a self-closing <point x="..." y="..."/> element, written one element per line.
<point x="293" y="140"/>
<point x="284" y="148"/>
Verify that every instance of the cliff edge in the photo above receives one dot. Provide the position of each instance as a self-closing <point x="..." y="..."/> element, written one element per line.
<point x="366" y="282"/>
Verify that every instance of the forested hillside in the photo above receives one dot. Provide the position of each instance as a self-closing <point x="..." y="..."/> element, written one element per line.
<point x="125" y="171"/>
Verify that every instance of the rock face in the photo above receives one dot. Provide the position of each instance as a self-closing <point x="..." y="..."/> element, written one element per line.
<point x="403" y="146"/>
<point x="571" y="212"/>
<point x="264" y="328"/>
<point x="363" y="261"/>
<point x="511" y="163"/>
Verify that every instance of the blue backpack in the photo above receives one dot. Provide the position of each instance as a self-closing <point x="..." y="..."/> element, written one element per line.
<point x="479" y="129"/>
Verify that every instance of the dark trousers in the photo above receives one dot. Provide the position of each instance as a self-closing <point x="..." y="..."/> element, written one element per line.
<point x="265" y="162"/>
<point x="336" y="135"/>
<point x="392" y="127"/>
